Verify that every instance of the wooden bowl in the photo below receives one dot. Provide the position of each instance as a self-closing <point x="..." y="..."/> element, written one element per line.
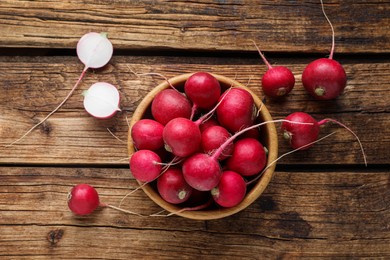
<point x="268" y="138"/>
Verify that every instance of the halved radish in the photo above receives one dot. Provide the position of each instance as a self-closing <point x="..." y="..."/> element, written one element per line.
<point x="102" y="100"/>
<point x="94" y="50"/>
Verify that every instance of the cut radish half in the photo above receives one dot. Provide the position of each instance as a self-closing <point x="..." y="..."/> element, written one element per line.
<point x="102" y="100"/>
<point x="94" y="50"/>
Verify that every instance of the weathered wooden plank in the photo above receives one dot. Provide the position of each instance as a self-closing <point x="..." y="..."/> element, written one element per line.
<point x="34" y="86"/>
<point x="301" y="215"/>
<point x="210" y="25"/>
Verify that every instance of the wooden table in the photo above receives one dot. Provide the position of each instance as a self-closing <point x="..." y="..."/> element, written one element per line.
<point x="321" y="203"/>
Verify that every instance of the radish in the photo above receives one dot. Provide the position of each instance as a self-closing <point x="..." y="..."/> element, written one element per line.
<point x="237" y="110"/>
<point x="182" y="137"/>
<point x="94" y="50"/>
<point x="325" y="78"/>
<point x="302" y="136"/>
<point x="213" y="137"/>
<point x="102" y="100"/>
<point x="83" y="199"/>
<point x="172" y="186"/>
<point x="277" y="81"/>
<point x="203" y="89"/>
<point x="202" y="171"/>
<point x="231" y="189"/>
<point x="169" y="104"/>
<point x="147" y="134"/>
<point x="248" y="157"/>
<point x="145" y="165"/>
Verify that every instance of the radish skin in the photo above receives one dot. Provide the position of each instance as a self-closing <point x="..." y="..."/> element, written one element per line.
<point x="147" y="134"/>
<point x="83" y="199"/>
<point x="169" y="104"/>
<point x="203" y="89"/>
<point x="230" y="190"/>
<point x="237" y="110"/>
<point x="325" y="79"/>
<point x="172" y="187"/>
<point x="278" y="81"/>
<point x="248" y="157"/>
<point x="145" y="165"/>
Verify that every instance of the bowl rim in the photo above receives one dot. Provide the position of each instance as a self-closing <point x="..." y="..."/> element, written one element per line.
<point x="271" y="142"/>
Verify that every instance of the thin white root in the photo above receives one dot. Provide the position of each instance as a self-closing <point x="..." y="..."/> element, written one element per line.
<point x="331" y="26"/>
<point x="116" y="137"/>
<point x="127" y="121"/>
<point x="158" y="214"/>
<point x="249" y="81"/>
<point x="290" y="152"/>
<point x="124" y="210"/>
<point x="133" y="191"/>
<point x="52" y="112"/>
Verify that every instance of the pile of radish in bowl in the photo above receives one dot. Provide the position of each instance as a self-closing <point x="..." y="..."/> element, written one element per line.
<point x="202" y="146"/>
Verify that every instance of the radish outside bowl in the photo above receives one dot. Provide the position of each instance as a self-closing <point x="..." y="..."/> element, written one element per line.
<point x="268" y="137"/>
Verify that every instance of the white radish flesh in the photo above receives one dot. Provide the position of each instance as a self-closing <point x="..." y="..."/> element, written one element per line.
<point x="94" y="50"/>
<point x="102" y="100"/>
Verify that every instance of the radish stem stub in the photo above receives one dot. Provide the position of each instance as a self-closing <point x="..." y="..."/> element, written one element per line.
<point x="102" y="100"/>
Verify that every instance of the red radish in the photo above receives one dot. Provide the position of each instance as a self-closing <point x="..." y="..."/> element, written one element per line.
<point x="182" y="137"/>
<point x="102" y="100"/>
<point x="203" y="89"/>
<point x="202" y="171"/>
<point x="94" y="50"/>
<point x="172" y="186"/>
<point x="169" y="104"/>
<point x="231" y="189"/>
<point x="213" y="137"/>
<point x="300" y="135"/>
<point x="83" y="199"/>
<point x="237" y="110"/>
<point x="303" y="136"/>
<point x="147" y="134"/>
<point x="145" y="165"/>
<point x="278" y="81"/>
<point x="325" y="78"/>
<point x="248" y="157"/>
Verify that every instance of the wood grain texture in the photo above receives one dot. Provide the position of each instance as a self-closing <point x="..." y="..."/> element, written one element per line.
<point x="321" y="204"/>
<point x="35" y="86"/>
<point x="338" y="214"/>
<point x="208" y="25"/>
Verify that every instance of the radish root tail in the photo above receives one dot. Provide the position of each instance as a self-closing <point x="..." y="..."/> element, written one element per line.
<point x="52" y="112"/>
<point x="331" y="26"/>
